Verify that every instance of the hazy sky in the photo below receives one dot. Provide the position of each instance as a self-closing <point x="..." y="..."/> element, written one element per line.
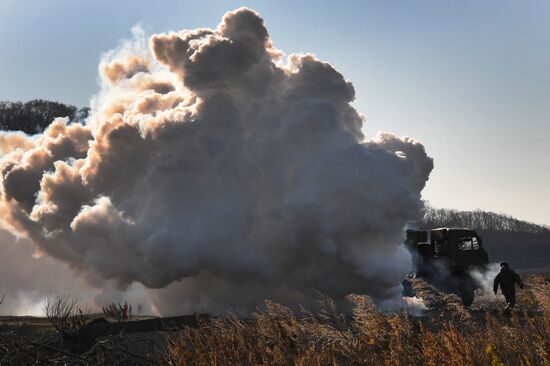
<point x="470" y="79"/>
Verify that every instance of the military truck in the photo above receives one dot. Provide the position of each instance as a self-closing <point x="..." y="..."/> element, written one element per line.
<point x="445" y="257"/>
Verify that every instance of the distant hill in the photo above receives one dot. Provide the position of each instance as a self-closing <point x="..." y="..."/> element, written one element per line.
<point x="523" y="244"/>
<point x="34" y="116"/>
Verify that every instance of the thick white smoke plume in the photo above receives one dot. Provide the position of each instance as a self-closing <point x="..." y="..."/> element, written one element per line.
<point x="220" y="171"/>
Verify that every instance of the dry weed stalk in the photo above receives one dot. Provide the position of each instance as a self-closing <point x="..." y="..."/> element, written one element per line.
<point x="116" y="311"/>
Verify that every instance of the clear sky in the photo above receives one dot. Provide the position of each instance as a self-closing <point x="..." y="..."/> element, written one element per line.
<point x="470" y="79"/>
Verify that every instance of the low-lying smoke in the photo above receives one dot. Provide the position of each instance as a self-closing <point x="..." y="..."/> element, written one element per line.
<point x="221" y="172"/>
<point x="485" y="279"/>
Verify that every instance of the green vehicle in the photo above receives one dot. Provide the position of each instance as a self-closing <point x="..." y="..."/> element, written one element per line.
<point x="445" y="256"/>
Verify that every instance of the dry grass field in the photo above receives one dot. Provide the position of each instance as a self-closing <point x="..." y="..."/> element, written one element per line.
<point x="447" y="334"/>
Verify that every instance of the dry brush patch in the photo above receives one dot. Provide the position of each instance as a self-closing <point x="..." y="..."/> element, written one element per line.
<point x="118" y="312"/>
<point x="69" y="339"/>
<point x="275" y="336"/>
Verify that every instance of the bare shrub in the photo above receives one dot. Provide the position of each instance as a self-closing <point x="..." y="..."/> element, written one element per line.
<point x="64" y="314"/>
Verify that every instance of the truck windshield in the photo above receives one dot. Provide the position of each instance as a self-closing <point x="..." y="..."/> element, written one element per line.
<point x="468" y="243"/>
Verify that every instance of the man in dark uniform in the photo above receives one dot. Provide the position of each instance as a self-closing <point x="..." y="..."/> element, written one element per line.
<point x="507" y="279"/>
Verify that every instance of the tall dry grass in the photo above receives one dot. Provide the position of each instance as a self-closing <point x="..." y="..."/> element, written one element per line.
<point x="275" y="336"/>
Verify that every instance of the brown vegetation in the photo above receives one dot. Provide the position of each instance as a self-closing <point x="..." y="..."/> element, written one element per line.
<point x="275" y="336"/>
<point x="117" y="312"/>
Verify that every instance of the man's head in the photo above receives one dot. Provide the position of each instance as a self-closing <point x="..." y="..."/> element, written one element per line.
<point x="504" y="264"/>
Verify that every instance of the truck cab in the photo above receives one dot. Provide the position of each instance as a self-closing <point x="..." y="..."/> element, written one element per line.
<point x="448" y="254"/>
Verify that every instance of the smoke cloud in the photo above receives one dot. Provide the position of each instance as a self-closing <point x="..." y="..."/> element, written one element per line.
<point x="217" y="172"/>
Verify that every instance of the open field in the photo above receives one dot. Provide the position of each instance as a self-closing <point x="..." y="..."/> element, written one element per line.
<point x="447" y="334"/>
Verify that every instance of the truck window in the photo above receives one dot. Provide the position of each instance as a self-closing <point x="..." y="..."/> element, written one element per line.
<point x="468" y="243"/>
<point x="475" y="244"/>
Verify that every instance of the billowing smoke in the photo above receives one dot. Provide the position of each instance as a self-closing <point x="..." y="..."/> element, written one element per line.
<point x="220" y="171"/>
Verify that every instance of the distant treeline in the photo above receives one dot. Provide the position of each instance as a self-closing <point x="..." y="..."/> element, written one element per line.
<point x="524" y="244"/>
<point x="34" y="116"/>
<point x="479" y="220"/>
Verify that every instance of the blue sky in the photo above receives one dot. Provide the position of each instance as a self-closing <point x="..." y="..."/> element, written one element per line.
<point x="470" y="79"/>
